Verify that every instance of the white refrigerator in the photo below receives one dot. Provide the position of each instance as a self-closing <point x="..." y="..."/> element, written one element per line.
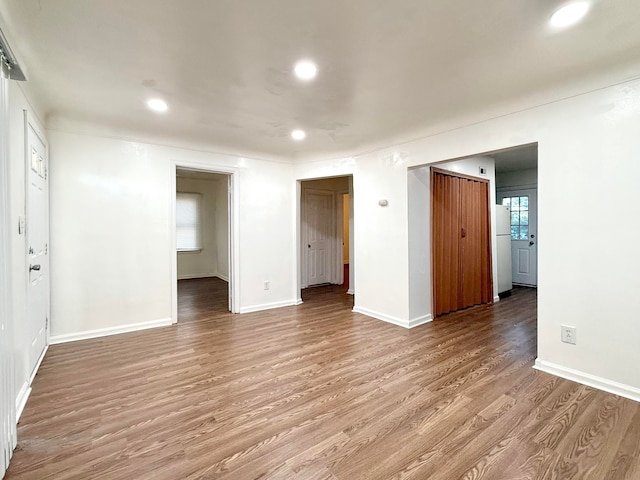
<point x="503" y="247"/>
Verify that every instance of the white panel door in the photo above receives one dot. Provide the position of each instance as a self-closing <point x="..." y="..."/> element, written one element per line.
<point x="524" y="240"/>
<point x="319" y="208"/>
<point x="37" y="243"/>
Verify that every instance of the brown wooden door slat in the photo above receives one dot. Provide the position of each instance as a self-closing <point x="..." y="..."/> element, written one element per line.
<point x="461" y="246"/>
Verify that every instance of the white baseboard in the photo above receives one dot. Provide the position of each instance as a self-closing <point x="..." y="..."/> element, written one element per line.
<point x="600" y="383"/>
<point x="351" y="291"/>
<point x="103" y="332"/>
<point x="38" y="363"/>
<point x="298" y="301"/>
<point x="382" y="316"/>
<point x="196" y="275"/>
<point x="25" y="390"/>
<point x="269" y="306"/>
<point x="496" y="298"/>
<point x="420" y="320"/>
<point x="21" y="399"/>
<point x="204" y="275"/>
<point x="414" y="322"/>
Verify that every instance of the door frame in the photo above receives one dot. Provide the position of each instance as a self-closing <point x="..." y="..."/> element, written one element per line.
<point x="333" y="247"/>
<point x="301" y="257"/>
<point x="233" y="219"/>
<point x="8" y="436"/>
<point x="433" y="170"/>
<point x="509" y="191"/>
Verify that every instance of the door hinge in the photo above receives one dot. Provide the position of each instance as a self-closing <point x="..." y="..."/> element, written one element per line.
<point x="46" y="248"/>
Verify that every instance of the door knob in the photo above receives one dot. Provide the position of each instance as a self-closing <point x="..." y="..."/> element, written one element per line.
<point x="34" y="267"/>
<point x="530" y="244"/>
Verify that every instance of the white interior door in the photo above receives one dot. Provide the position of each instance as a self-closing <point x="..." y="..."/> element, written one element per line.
<point x="319" y="208"/>
<point x="524" y="235"/>
<point x="37" y="243"/>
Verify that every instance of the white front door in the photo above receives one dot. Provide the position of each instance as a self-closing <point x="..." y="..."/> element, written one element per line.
<point x="37" y="243"/>
<point x="319" y="207"/>
<point x="524" y="236"/>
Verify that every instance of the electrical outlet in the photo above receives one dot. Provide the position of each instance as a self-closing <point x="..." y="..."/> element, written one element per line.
<point x="266" y="285"/>
<point x="568" y="334"/>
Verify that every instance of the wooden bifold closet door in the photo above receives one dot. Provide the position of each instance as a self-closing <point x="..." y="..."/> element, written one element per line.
<point x="461" y="242"/>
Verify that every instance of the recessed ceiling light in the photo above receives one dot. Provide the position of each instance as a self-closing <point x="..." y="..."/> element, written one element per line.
<point x="305" y="70"/>
<point x="298" y="135"/>
<point x="569" y="14"/>
<point x="157" y="105"/>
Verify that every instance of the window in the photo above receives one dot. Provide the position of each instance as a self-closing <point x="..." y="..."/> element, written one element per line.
<point x="188" y="222"/>
<point x="519" y="207"/>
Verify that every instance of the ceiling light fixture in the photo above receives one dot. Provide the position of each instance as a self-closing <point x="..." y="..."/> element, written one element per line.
<point x="298" y="135"/>
<point x="157" y="105"/>
<point x="305" y="70"/>
<point x="569" y="14"/>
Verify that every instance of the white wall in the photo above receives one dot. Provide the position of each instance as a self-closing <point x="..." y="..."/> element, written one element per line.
<point x="521" y="179"/>
<point x="587" y="156"/>
<point x="379" y="254"/>
<point x="419" y="213"/>
<point x="110" y="233"/>
<point x="419" y="193"/>
<point x="204" y="263"/>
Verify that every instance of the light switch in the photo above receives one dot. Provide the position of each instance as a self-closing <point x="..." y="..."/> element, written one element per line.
<point x="21" y="225"/>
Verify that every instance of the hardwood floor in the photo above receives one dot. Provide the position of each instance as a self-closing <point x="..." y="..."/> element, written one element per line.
<point x="318" y="392"/>
<point x="202" y="299"/>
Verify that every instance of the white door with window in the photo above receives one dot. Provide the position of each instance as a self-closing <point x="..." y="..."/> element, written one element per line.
<point x="37" y="243"/>
<point x="319" y="208"/>
<point x="524" y="239"/>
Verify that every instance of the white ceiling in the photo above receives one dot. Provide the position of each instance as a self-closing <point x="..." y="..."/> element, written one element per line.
<point x="388" y="70"/>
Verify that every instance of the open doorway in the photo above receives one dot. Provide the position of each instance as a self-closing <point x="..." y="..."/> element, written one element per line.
<point x="508" y="169"/>
<point x="517" y="193"/>
<point x="202" y="244"/>
<point x="326" y="236"/>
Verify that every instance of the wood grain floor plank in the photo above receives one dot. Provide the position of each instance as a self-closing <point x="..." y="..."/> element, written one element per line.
<point x="316" y="391"/>
<point x="626" y="463"/>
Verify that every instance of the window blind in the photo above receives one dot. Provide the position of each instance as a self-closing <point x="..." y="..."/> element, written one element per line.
<point x="188" y="206"/>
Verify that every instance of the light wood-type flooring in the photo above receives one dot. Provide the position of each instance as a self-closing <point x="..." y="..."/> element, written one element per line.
<point x="318" y="392"/>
